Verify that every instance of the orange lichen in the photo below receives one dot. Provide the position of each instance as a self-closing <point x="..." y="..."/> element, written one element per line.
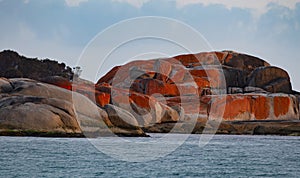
<point x="235" y="106"/>
<point x="281" y="105"/>
<point x="102" y="98"/>
<point x="260" y="107"/>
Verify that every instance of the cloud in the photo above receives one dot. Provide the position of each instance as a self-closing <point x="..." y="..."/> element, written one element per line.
<point x="253" y="4"/>
<point x="74" y="3"/>
<point x="135" y="3"/>
<point x="258" y="7"/>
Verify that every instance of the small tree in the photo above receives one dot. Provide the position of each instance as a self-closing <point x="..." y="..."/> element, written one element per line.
<point x="77" y="71"/>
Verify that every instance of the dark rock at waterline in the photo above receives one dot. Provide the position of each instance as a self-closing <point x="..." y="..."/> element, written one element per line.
<point x="285" y="128"/>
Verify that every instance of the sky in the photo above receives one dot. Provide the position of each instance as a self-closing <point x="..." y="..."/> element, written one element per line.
<point x="63" y="29"/>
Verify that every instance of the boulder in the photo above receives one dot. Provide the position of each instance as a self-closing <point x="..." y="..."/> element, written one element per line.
<point x="242" y="62"/>
<point x="178" y="74"/>
<point x="125" y="124"/>
<point x="136" y="73"/>
<point x="246" y="107"/>
<point x="102" y="98"/>
<point x="146" y="109"/>
<point x="5" y="85"/>
<point x="108" y="77"/>
<point x="234" y="77"/>
<point x="58" y="81"/>
<point x="120" y="117"/>
<point x="163" y="69"/>
<point x="199" y="59"/>
<point x="271" y="79"/>
<point x="39" y="114"/>
<point x="152" y="86"/>
<point x="35" y="108"/>
<point x="205" y="77"/>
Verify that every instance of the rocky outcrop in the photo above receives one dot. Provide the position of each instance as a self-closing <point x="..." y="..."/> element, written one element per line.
<point x="28" y="107"/>
<point x="223" y="92"/>
<point x="230" y="85"/>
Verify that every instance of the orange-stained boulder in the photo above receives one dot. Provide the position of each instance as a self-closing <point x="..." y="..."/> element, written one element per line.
<point x="58" y="81"/>
<point x="255" y="107"/>
<point x="109" y="76"/>
<point x="102" y="98"/>
<point x="221" y="55"/>
<point x="260" y="107"/>
<point x="205" y="77"/>
<point x="202" y="82"/>
<point x="199" y="59"/>
<point x="142" y="101"/>
<point x="152" y="86"/>
<point x="187" y="59"/>
<point x="215" y="76"/>
<point x="243" y="62"/>
<point x="146" y="109"/>
<point x="156" y="86"/>
<point x="190" y="105"/>
<point x="201" y="73"/>
<point x="281" y="105"/>
<point x="207" y="65"/>
<point x="163" y="69"/>
<point x="178" y="74"/>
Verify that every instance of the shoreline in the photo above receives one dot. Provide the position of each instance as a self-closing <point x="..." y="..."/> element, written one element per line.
<point x="267" y="127"/>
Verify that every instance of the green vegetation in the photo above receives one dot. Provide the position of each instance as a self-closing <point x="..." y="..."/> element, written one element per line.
<point x="12" y="65"/>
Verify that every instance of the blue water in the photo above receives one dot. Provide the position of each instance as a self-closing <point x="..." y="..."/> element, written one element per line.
<point x="224" y="156"/>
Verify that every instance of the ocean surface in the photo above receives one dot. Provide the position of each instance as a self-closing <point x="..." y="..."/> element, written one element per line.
<point x="223" y="156"/>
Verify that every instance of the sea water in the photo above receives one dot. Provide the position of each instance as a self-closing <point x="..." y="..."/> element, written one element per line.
<point x="223" y="156"/>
